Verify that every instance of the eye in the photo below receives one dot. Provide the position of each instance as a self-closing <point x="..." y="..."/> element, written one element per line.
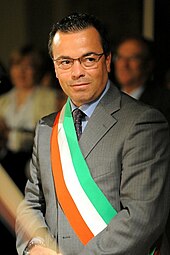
<point x="89" y="59"/>
<point x="65" y="62"/>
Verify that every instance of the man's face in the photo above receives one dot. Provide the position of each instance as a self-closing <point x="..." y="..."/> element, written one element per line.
<point x="81" y="84"/>
<point x="129" y="65"/>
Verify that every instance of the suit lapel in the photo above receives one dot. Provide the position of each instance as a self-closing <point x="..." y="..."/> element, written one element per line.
<point x="101" y="120"/>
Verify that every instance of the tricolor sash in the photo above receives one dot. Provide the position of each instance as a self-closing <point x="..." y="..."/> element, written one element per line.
<point x="84" y="204"/>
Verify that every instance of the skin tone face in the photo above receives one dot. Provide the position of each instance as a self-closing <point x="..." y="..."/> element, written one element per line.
<point x="22" y="74"/>
<point x="129" y="66"/>
<point x="80" y="84"/>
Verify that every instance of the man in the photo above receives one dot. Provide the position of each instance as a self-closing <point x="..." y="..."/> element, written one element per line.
<point x="106" y="191"/>
<point x="134" y="65"/>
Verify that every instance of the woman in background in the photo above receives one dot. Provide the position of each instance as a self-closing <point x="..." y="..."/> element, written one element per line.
<point x="21" y="108"/>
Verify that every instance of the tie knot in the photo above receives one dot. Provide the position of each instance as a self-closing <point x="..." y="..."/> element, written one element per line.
<point x="78" y="115"/>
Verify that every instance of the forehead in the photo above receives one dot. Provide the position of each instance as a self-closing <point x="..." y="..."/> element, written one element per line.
<point x="76" y="43"/>
<point x="130" y="47"/>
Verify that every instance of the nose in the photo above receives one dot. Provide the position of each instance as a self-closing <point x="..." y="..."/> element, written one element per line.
<point x="77" y="70"/>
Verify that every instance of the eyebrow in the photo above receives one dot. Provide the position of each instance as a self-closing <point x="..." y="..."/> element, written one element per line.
<point x="68" y="57"/>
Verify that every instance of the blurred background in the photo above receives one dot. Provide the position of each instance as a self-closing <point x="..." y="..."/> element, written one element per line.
<point x="29" y="21"/>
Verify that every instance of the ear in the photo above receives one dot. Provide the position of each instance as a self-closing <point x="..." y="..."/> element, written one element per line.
<point x="108" y="62"/>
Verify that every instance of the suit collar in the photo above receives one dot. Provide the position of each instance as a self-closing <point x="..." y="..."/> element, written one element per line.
<point x="101" y="120"/>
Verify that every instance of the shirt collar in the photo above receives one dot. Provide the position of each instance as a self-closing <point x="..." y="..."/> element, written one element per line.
<point x="89" y="108"/>
<point x="137" y="92"/>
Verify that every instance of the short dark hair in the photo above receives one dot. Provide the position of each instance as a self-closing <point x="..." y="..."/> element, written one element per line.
<point x="76" y="22"/>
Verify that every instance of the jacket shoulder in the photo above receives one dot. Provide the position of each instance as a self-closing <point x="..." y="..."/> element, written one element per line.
<point x="48" y="119"/>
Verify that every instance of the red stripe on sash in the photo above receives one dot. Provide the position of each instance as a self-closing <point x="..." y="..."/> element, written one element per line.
<point x="64" y="197"/>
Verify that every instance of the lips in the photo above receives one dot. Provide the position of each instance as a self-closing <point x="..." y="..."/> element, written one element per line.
<point x="80" y="85"/>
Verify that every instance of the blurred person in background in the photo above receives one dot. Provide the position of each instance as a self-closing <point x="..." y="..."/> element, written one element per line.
<point x="49" y="80"/>
<point x="21" y="108"/>
<point x="134" y="64"/>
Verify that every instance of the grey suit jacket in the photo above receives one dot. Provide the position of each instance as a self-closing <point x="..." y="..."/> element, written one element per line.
<point x="126" y="146"/>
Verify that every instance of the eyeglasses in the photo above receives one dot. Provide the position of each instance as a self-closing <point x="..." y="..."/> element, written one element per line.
<point x="87" y="61"/>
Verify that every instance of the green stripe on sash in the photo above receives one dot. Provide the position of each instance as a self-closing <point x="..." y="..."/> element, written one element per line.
<point x="97" y="198"/>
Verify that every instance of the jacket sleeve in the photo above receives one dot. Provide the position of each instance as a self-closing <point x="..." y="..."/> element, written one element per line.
<point x="30" y="221"/>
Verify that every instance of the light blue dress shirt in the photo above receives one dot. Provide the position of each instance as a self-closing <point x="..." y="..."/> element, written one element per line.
<point x="88" y="109"/>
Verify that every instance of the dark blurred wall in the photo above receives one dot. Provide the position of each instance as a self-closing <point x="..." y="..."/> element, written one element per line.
<point x="162" y="37"/>
<point x="13" y="29"/>
<point x="121" y="16"/>
<point x="29" y="21"/>
<point x="39" y="20"/>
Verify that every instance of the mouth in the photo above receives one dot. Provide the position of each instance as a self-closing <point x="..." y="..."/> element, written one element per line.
<point x="81" y="85"/>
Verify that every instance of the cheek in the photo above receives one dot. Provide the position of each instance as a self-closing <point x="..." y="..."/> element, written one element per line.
<point x="63" y="81"/>
<point x="62" y="77"/>
<point x="137" y="69"/>
<point x="56" y="71"/>
<point x="14" y="71"/>
<point x="31" y="74"/>
<point x="136" y="66"/>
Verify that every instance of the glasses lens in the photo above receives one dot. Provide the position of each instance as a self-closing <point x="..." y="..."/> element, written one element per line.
<point x="91" y="60"/>
<point x="64" y="63"/>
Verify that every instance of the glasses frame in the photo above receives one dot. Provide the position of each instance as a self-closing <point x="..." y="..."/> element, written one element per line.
<point x="80" y="59"/>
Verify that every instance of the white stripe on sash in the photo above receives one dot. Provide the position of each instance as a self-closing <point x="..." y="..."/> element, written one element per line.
<point x="84" y="205"/>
